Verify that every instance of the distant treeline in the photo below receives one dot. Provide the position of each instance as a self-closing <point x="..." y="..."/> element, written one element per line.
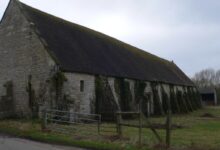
<point x="208" y="78"/>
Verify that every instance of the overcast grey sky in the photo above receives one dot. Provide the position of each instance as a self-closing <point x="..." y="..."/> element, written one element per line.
<point x="186" y="31"/>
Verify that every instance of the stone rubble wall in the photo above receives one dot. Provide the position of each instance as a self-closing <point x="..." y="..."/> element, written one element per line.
<point x="22" y="55"/>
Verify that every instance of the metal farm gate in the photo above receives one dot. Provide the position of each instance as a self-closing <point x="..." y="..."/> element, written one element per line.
<point x="71" y="122"/>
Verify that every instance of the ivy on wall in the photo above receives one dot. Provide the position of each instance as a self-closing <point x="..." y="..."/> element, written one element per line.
<point x="187" y="100"/>
<point x="139" y="88"/>
<point x="158" y="108"/>
<point x="182" y="102"/>
<point x="173" y="100"/>
<point x="123" y="91"/>
<point x="191" y="98"/>
<point x="197" y="99"/>
<point x="165" y="100"/>
<point x="105" y="103"/>
<point x="58" y="80"/>
<point x="142" y="99"/>
<point x="32" y="98"/>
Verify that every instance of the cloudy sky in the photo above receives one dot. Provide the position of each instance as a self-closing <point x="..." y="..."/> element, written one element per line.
<point x="186" y="31"/>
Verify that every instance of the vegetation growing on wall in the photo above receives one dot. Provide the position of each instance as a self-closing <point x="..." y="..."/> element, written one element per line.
<point x="192" y="98"/>
<point x="197" y="99"/>
<point x="158" y="108"/>
<point x="32" y="98"/>
<point x="42" y="93"/>
<point x="6" y="101"/>
<point x="105" y="103"/>
<point x="173" y="100"/>
<point x="140" y="98"/>
<point x="122" y="88"/>
<point x="187" y="100"/>
<point x="165" y="100"/>
<point x="58" y="80"/>
<point x="139" y="88"/>
<point x="182" y="102"/>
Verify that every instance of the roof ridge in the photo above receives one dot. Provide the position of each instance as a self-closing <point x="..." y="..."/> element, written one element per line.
<point x="80" y="49"/>
<point x="109" y="38"/>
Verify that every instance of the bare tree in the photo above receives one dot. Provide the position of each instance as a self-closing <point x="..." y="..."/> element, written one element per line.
<point x="217" y="78"/>
<point x="207" y="77"/>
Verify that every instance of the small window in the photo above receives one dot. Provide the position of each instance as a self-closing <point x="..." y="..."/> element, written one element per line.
<point x="81" y="86"/>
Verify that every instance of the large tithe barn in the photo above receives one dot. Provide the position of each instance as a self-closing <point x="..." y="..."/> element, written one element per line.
<point x="47" y="62"/>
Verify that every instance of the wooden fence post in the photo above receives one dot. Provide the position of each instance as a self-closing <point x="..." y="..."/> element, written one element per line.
<point x="168" y="128"/>
<point x="168" y="125"/>
<point x="44" y="120"/>
<point x="119" y="123"/>
<point x="99" y="123"/>
<point x="140" y="128"/>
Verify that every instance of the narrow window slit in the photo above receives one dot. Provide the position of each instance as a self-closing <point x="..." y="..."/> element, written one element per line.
<point x="81" y="86"/>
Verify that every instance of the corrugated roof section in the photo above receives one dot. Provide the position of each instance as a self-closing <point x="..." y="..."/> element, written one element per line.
<point x="207" y="90"/>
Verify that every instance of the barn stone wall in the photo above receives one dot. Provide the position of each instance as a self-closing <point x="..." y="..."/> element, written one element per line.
<point x="81" y="100"/>
<point x="155" y="96"/>
<point x="23" y="60"/>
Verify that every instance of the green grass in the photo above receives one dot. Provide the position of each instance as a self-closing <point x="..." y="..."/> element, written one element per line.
<point x="196" y="132"/>
<point x="32" y="130"/>
<point x="203" y="132"/>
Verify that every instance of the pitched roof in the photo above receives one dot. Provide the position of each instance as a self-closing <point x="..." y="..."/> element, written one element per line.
<point x="79" y="49"/>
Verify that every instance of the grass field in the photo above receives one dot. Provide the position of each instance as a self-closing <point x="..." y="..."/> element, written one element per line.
<point x="200" y="130"/>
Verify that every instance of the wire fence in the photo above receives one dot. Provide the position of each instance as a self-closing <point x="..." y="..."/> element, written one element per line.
<point x="120" y="122"/>
<point x="73" y="123"/>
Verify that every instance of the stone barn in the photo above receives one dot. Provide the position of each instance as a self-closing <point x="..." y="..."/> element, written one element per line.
<point x="47" y="62"/>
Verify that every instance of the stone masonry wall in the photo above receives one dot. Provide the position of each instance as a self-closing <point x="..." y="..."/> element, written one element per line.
<point x="22" y="56"/>
<point x="161" y="94"/>
<point x="80" y="101"/>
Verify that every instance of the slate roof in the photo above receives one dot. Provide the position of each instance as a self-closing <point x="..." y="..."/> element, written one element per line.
<point x="79" y="49"/>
